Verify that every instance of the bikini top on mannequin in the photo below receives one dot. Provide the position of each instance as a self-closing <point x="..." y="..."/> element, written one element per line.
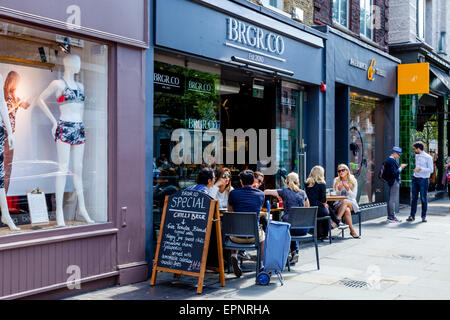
<point x="70" y="95"/>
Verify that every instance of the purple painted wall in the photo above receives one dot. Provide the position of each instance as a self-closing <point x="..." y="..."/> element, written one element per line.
<point x="35" y="264"/>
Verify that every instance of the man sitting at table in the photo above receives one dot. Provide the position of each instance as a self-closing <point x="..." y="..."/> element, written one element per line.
<point x="206" y="183"/>
<point x="245" y="199"/>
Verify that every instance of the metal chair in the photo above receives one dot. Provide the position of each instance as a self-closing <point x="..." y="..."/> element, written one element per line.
<point x="241" y="224"/>
<point x="304" y="217"/>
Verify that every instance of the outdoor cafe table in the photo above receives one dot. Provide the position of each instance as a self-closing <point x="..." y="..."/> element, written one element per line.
<point x="276" y="213"/>
<point x="331" y="198"/>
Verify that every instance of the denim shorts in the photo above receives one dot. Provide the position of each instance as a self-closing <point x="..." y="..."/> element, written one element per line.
<point x="70" y="132"/>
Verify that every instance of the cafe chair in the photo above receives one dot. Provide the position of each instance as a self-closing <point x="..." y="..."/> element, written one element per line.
<point x="241" y="224"/>
<point x="304" y="217"/>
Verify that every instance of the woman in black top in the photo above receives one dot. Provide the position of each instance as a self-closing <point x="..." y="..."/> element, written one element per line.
<point x="315" y="187"/>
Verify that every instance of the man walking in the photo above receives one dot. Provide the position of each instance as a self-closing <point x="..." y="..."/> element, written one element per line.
<point x="392" y="177"/>
<point x="420" y="181"/>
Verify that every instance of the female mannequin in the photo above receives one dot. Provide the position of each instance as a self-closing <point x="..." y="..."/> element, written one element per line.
<point x="6" y="218"/>
<point x="68" y="132"/>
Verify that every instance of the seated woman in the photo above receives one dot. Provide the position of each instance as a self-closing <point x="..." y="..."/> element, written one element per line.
<point x="345" y="184"/>
<point x="315" y="187"/>
<point x="225" y="188"/>
<point x="292" y="196"/>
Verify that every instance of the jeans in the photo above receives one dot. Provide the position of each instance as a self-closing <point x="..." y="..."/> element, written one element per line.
<point x="393" y="196"/>
<point x="419" y="185"/>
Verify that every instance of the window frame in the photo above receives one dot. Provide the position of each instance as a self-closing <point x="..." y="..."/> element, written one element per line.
<point x="420" y="28"/>
<point x="339" y="2"/>
<point x="362" y="19"/>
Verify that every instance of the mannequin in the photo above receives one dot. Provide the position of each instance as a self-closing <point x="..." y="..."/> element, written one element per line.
<point x="6" y="218"/>
<point x="68" y="132"/>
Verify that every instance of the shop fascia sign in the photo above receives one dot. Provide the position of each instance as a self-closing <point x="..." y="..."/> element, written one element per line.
<point x="371" y="70"/>
<point x="257" y="42"/>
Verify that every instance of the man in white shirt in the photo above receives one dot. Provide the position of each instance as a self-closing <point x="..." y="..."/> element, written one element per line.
<point x="420" y="181"/>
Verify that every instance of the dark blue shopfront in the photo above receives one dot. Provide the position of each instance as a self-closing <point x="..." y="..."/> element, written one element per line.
<point x="362" y="112"/>
<point x="230" y="65"/>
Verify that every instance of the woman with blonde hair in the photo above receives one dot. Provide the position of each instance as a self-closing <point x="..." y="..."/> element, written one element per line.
<point x="345" y="184"/>
<point x="316" y="191"/>
<point x="292" y="196"/>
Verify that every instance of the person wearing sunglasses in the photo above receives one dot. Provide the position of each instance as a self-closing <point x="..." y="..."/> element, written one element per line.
<point x="225" y="188"/>
<point x="345" y="184"/>
<point x="259" y="180"/>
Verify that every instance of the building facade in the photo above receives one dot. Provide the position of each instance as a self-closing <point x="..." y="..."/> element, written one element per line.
<point x="418" y="34"/>
<point x="75" y="65"/>
<point x="361" y="99"/>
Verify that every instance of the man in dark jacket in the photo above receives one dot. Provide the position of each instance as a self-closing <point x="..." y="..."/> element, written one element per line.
<point x="392" y="176"/>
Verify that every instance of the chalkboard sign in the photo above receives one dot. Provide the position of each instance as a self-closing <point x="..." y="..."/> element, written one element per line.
<point x="185" y="234"/>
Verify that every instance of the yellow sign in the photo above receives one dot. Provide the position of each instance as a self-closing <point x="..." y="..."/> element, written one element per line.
<point x="413" y="78"/>
<point x="371" y="71"/>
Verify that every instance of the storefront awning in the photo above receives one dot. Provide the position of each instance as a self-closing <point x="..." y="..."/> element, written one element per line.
<point x="441" y="81"/>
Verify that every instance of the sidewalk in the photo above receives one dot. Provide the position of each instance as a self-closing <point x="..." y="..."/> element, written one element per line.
<point x="390" y="261"/>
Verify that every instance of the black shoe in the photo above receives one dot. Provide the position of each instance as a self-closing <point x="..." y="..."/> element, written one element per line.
<point x="424" y="219"/>
<point x="410" y="219"/>
<point x="236" y="269"/>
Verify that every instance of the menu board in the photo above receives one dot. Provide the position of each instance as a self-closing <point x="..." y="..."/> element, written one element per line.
<point x="184" y="231"/>
<point x="185" y="235"/>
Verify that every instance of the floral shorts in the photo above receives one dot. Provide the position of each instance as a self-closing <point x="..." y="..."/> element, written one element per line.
<point x="70" y="132"/>
<point x="2" y="152"/>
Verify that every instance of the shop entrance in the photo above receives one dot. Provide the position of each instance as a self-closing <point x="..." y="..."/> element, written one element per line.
<point x="249" y="101"/>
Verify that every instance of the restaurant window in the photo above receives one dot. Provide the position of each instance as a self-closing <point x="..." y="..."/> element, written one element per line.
<point x="362" y="145"/>
<point x="185" y="97"/>
<point x="289" y="119"/>
<point x="340" y="12"/>
<point x="420" y="19"/>
<point x="366" y="18"/>
<point x="55" y="90"/>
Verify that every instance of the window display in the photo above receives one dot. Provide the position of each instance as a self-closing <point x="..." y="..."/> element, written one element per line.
<point x="55" y="91"/>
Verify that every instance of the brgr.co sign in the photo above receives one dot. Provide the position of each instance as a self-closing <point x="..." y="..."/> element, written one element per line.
<point x="255" y="37"/>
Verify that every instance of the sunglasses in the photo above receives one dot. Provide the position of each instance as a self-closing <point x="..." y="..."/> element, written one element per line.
<point x="226" y="176"/>
<point x="260" y="181"/>
<point x="342" y="170"/>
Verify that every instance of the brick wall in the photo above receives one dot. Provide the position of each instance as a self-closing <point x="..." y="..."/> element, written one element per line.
<point x="323" y="13"/>
<point x="307" y="7"/>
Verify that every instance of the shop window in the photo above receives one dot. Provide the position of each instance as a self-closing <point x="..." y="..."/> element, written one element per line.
<point x="366" y="18"/>
<point x="340" y="12"/>
<point x="362" y="145"/>
<point x="55" y="90"/>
